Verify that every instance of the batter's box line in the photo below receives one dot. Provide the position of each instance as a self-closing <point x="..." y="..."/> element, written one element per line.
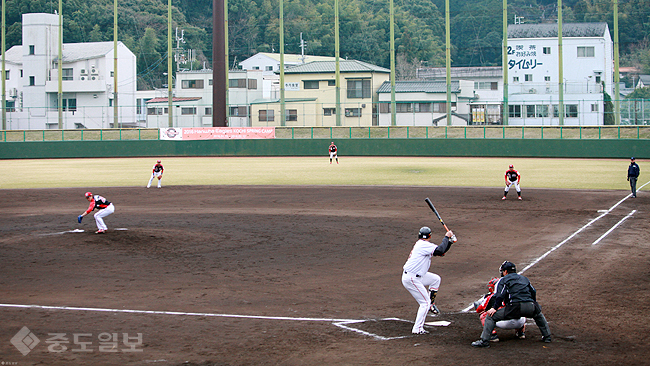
<point x="344" y="325"/>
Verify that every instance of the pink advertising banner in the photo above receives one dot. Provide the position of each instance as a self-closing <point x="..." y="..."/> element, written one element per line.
<point x="221" y="133"/>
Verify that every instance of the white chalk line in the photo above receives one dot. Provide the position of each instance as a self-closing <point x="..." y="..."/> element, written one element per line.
<point x="613" y="227"/>
<point x="605" y="213"/>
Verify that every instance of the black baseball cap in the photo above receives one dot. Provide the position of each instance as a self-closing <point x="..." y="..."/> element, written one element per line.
<point x="632" y="158"/>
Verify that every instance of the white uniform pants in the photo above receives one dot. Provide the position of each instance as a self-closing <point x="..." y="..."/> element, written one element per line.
<point x="154" y="176"/>
<point x="99" y="216"/>
<point x="333" y="155"/>
<point x="419" y="287"/>
<point x="516" y="186"/>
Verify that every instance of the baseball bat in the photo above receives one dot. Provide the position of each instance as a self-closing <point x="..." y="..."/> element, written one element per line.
<point x="433" y="208"/>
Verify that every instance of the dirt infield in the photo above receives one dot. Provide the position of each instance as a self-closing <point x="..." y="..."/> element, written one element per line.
<point x="312" y="276"/>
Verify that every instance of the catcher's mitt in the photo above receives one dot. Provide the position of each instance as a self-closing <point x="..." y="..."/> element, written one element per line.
<point x="159" y="177"/>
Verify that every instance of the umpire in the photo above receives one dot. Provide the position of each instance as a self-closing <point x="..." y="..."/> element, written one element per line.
<point x="520" y="298"/>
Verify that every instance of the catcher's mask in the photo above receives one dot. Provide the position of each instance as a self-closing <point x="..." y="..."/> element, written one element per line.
<point x="425" y="233"/>
<point x="492" y="284"/>
<point x="88" y="194"/>
<point x="507" y="266"/>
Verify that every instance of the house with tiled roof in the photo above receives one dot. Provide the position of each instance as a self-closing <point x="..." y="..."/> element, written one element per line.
<point x="88" y="82"/>
<point x="424" y="103"/>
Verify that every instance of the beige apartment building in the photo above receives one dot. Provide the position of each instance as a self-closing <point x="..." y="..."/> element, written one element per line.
<point x="310" y="96"/>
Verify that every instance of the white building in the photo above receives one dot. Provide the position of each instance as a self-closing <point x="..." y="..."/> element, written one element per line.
<point x="424" y="103"/>
<point x="270" y="62"/>
<point x="533" y="69"/>
<point x="192" y="98"/>
<point x="87" y="80"/>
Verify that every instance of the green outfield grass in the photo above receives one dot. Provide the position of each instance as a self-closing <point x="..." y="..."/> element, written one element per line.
<point x="398" y="171"/>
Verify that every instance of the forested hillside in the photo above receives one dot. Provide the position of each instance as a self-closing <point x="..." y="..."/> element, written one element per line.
<point x="476" y="28"/>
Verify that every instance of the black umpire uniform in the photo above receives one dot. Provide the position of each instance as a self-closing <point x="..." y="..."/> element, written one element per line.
<point x="520" y="298"/>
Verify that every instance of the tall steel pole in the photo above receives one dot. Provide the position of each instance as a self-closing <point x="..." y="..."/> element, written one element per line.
<point x="448" y="61"/>
<point x="60" y="66"/>
<point x="170" y="94"/>
<point x="115" y="108"/>
<point x="282" y="107"/>
<point x="560" y="63"/>
<point x="227" y="63"/>
<point x="219" y="65"/>
<point x="506" y="110"/>
<point x="4" y="95"/>
<point x="617" y="94"/>
<point x="393" y="109"/>
<point x="338" y="69"/>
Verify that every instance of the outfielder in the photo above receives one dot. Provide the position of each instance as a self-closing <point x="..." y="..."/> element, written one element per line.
<point x="157" y="173"/>
<point x="487" y="302"/>
<point x="105" y="208"/>
<point x="332" y="149"/>
<point x="421" y="284"/>
<point x="512" y="177"/>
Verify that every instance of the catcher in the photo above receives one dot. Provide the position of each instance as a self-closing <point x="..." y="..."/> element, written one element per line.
<point x="487" y="302"/>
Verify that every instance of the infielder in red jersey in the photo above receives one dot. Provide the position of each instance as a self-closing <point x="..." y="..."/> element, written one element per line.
<point x="512" y="177"/>
<point x="156" y="173"/>
<point x="104" y="208"/>
<point x="332" y="150"/>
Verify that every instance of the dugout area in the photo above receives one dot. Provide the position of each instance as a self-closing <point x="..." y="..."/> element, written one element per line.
<point x="242" y="275"/>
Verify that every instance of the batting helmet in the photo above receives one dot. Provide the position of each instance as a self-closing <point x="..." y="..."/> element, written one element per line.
<point x="492" y="284"/>
<point x="508" y="266"/>
<point x="88" y="194"/>
<point x="425" y="233"/>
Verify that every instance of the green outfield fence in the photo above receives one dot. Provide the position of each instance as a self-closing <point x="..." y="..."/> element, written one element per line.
<point x="375" y="132"/>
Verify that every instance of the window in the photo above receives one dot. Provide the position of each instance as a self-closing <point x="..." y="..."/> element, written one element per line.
<point x="21" y="73"/>
<point x="252" y="84"/>
<point x="570" y="110"/>
<point x="6" y="74"/>
<point x="31" y="49"/>
<point x="586" y="51"/>
<point x="546" y="50"/>
<point x="269" y="68"/>
<point x="530" y="111"/>
<point x="266" y="115"/>
<point x="541" y="110"/>
<point x="32" y="80"/>
<point x="598" y="79"/>
<point x="359" y="88"/>
<point x="210" y="82"/>
<point x="256" y="67"/>
<point x="486" y="85"/>
<point x="311" y="84"/>
<point x="208" y="111"/>
<point x="329" y="111"/>
<point x="66" y="74"/>
<point x="353" y="112"/>
<point x="514" y="111"/>
<point x="291" y="114"/>
<point x="423" y="107"/>
<point x="528" y="77"/>
<point x="331" y="82"/>
<point x="440" y="107"/>
<point x="69" y="105"/>
<point x="237" y="83"/>
<point x="238" y="111"/>
<point x="594" y="107"/>
<point x="384" y="107"/>
<point x="112" y="74"/>
<point x="515" y="79"/>
<point x="188" y="111"/>
<point x="403" y="107"/>
<point x="152" y="111"/>
<point x="547" y="78"/>
<point x="10" y="106"/>
<point x="192" y="84"/>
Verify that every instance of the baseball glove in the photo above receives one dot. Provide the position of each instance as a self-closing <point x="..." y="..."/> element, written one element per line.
<point x="159" y="177"/>
<point x="79" y="218"/>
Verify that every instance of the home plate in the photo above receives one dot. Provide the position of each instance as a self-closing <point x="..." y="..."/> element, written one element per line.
<point x="439" y="323"/>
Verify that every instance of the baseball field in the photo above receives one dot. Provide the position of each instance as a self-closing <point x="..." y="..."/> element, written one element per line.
<point x="293" y="261"/>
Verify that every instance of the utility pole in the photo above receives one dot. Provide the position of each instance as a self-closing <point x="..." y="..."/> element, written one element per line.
<point x="302" y="49"/>
<point x="115" y="108"/>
